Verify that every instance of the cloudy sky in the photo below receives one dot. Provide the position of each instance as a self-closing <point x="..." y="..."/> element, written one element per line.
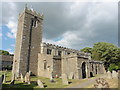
<point x="72" y="24"/>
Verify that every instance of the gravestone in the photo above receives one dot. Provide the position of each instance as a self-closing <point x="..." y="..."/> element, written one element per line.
<point x="40" y="84"/>
<point x="109" y="75"/>
<point x="29" y="72"/>
<point x="64" y="79"/>
<point x="51" y="77"/>
<point x="118" y="78"/>
<point x="101" y="83"/>
<point x="4" y="78"/>
<point x="114" y="74"/>
<point x="21" y="77"/>
<point x="27" y="78"/>
<point x="71" y="76"/>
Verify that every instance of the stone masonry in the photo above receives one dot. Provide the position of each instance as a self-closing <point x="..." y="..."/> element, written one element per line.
<point x="42" y="59"/>
<point x="29" y="37"/>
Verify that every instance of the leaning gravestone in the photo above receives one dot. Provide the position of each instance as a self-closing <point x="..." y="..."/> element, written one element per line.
<point x="114" y="74"/>
<point x="12" y="82"/>
<point x="21" y="76"/>
<point x="64" y="79"/>
<point x="40" y="84"/>
<point x="4" y="78"/>
<point x="71" y="76"/>
<point x="109" y="75"/>
<point x="101" y="83"/>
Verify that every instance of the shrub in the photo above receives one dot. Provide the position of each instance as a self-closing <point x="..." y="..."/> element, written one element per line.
<point x="113" y="67"/>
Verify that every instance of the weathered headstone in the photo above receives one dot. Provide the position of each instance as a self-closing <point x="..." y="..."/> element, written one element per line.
<point x="118" y="78"/>
<point x="101" y="83"/>
<point x="64" y="79"/>
<point x="51" y="79"/>
<point x="13" y="77"/>
<point x="109" y="75"/>
<point x="114" y="74"/>
<point x="4" y="78"/>
<point x="71" y="76"/>
<point x="29" y="72"/>
<point x="21" y="77"/>
<point x="40" y="84"/>
<point x="27" y="78"/>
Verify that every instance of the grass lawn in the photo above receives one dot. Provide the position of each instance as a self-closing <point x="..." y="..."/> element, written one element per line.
<point x="19" y="84"/>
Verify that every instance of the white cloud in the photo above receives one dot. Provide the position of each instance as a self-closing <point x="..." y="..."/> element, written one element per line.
<point x="79" y="24"/>
<point x="9" y="18"/>
<point x="10" y="35"/>
<point x="68" y="39"/>
<point x="12" y="26"/>
<point x="0" y="34"/>
<point x="9" y="50"/>
<point x="13" y="45"/>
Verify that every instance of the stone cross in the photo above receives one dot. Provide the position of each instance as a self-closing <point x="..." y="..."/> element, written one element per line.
<point x="64" y="79"/>
<point x="40" y="84"/>
<point x="109" y="75"/>
<point x="4" y="78"/>
<point x="114" y="74"/>
<point x="21" y="76"/>
<point x="71" y="76"/>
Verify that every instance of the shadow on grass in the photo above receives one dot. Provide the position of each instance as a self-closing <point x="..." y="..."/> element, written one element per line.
<point x="20" y="85"/>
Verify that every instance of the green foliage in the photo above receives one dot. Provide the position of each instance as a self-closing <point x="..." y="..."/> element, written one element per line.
<point x="87" y="50"/>
<point x="2" y="52"/>
<point x="113" y="67"/>
<point x="107" y="52"/>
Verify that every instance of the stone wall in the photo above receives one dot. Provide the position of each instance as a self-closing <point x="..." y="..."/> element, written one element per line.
<point x="69" y="64"/>
<point x="48" y="64"/>
<point x="56" y="67"/>
<point x="7" y="61"/>
<point x="45" y="65"/>
<point x="81" y="66"/>
<point x="29" y="37"/>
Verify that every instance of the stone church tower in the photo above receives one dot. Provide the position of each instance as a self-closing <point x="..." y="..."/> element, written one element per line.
<point x="29" y="38"/>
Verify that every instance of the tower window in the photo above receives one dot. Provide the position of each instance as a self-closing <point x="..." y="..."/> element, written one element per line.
<point x="49" y="51"/>
<point x="34" y="23"/>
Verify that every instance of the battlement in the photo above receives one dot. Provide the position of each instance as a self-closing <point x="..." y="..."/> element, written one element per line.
<point x="32" y="12"/>
<point x="65" y="49"/>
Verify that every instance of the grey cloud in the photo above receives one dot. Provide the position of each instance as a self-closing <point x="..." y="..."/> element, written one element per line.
<point x="60" y="18"/>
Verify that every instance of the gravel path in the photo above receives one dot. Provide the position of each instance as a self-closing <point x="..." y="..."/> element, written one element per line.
<point x="88" y="82"/>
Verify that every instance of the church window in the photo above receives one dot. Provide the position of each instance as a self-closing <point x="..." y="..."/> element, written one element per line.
<point x="59" y="53"/>
<point x="49" y="51"/>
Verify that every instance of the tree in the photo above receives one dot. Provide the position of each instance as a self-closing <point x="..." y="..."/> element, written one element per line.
<point x="2" y="52"/>
<point x="87" y="50"/>
<point x="107" y="52"/>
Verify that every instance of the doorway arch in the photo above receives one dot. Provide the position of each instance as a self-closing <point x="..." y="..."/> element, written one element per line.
<point x="83" y="70"/>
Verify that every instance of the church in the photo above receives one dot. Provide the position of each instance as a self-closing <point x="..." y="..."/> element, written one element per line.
<point x="43" y="59"/>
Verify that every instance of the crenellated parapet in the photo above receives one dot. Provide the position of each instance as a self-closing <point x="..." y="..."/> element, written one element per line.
<point x="63" y="50"/>
<point x="31" y="12"/>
